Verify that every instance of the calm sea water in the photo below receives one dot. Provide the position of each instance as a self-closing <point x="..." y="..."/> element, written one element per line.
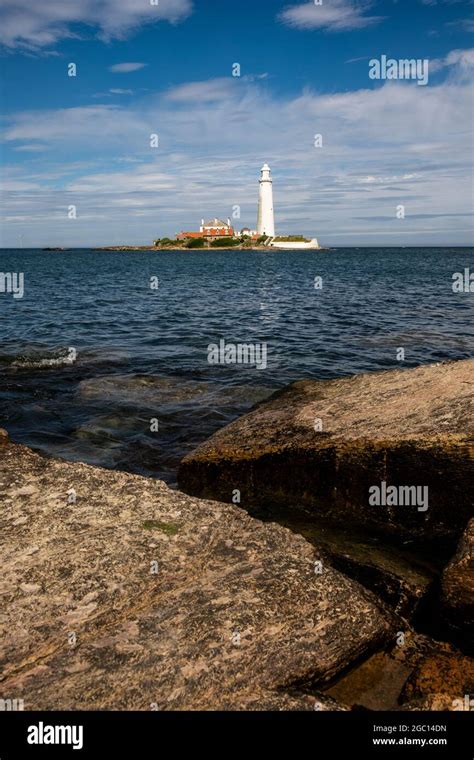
<point x="142" y="352"/>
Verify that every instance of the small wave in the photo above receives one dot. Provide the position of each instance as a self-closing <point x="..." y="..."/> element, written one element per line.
<point x="59" y="358"/>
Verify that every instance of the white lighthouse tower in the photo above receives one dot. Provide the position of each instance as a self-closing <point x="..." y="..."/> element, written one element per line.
<point x="265" y="221"/>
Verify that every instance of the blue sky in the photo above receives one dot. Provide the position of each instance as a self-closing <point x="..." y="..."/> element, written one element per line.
<point x="166" y="69"/>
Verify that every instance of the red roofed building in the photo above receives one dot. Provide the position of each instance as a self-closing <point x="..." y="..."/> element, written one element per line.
<point x="211" y="229"/>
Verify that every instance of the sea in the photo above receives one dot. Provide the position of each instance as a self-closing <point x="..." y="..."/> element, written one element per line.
<point x="107" y="356"/>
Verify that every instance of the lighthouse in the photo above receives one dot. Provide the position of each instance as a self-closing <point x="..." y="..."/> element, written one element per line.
<point x="265" y="221"/>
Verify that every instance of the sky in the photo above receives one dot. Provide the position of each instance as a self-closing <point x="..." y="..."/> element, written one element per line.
<point x="226" y="85"/>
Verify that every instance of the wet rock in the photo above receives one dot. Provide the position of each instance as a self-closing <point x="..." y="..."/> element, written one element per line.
<point x="457" y="588"/>
<point x="387" y="678"/>
<point x="321" y="445"/>
<point x="375" y="684"/>
<point x="446" y="673"/>
<point x="149" y="391"/>
<point x="140" y="597"/>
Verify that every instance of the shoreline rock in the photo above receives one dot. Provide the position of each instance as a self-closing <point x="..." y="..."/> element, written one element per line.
<point x="232" y="615"/>
<point x="321" y="446"/>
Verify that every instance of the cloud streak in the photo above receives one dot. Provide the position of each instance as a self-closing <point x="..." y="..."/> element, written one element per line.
<point x="37" y="25"/>
<point x="330" y="16"/>
<point x="126" y="68"/>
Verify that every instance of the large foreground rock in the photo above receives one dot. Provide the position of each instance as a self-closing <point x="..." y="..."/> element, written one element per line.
<point x="119" y="593"/>
<point x="402" y="428"/>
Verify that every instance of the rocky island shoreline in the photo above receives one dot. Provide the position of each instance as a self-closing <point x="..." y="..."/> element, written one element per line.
<point x="273" y="579"/>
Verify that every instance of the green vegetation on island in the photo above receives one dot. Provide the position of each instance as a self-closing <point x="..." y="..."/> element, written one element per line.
<point x="225" y="242"/>
<point x="195" y="243"/>
<point x="163" y="242"/>
<point x="241" y="241"/>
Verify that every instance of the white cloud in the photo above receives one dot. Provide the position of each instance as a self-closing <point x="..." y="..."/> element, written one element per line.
<point x="463" y="60"/>
<point x="359" y="58"/>
<point x="32" y="148"/>
<point x="75" y="124"/>
<point x="11" y="186"/>
<point x="204" y="92"/>
<point x="35" y="25"/>
<point x="142" y="179"/>
<point x="125" y="68"/>
<point x="112" y="91"/>
<point x="332" y="15"/>
<point x="466" y="24"/>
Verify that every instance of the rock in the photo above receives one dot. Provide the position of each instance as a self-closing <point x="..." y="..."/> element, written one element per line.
<point x="457" y="588"/>
<point x="443" y="673"/>
<point x="395" y="573"/>
<point x="400" y="428"/>
<point x="151" y="599"/>
<point x="399" y="582"/>
<point x="406" y="673"/>
<point x="287" y="701"/>
<point x="414" y="647"/>
<point x="433" y="703"/>
<point x="375" y="684"/>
